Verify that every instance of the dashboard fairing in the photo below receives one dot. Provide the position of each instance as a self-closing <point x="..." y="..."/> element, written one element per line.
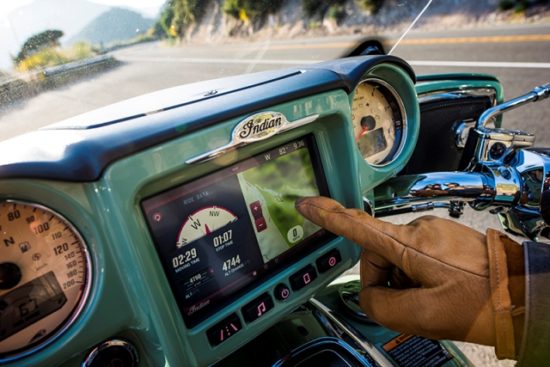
<point x="101" y="169"/>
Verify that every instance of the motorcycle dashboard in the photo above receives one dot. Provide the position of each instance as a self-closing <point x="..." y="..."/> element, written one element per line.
<point x="185" y="213"/>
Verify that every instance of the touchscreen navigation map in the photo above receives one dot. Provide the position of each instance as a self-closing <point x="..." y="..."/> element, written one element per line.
<point x="270" y="195"/>
<point x="222" y="232"/>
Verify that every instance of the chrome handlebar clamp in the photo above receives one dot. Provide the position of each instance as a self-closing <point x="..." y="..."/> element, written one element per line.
<point x="494" y="143"/>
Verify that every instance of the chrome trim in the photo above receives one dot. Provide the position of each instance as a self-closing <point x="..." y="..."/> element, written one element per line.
<point x="441" y="95"/>
<point x="538" y="93"/>
<point x="518" y="187"/>
<point x="414" y="208"/>
<point x="511" y="139"/>
<point x="237" y="142"/>
<point x="405" y="122"/>
<point x="66" y="324"/>
<point x="527" y="216"/>
<point x="367" y="206"/>
<point x="493" y="186"/>
<point x="462" y="131"/>
<point x="328" y="343"/>
<point x="92" y="354"/>
<point x="438" y="186"/>
<point x="365" y="344"/>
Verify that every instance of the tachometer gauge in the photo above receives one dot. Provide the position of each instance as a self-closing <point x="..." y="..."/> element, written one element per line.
<point x="203" y="222"/>
<point x="44" y="277"/>
<point x="379" y="121"/>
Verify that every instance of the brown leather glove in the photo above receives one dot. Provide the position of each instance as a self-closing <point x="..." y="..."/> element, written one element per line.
<point x="433" y="277"/>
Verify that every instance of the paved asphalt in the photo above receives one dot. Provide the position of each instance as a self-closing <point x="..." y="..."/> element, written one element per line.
<point x="523" y="50"/>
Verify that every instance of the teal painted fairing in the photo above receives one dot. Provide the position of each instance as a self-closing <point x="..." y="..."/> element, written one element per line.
<point x="132" y="179"/>
<point x="130" y="294"/>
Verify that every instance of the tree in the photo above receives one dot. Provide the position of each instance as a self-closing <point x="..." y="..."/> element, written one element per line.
<point x="37" y="42"/>
<point x="254" y="10"/>
<point x="178" y="15"/>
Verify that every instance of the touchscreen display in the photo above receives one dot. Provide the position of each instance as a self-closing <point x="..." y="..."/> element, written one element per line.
<point x="223" y="232"/>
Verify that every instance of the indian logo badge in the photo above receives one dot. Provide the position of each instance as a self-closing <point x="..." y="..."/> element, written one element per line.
<point x="259" y="126"/>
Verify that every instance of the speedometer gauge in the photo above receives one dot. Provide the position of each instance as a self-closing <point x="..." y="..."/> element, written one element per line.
<point x="379" y="121"/>
<point x="44" y="277"/>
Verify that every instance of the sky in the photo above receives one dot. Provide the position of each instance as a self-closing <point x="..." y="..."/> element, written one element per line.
<point x="11" y="37"/>
<point x="146" y="6"/>
<point x="7" y="7"/>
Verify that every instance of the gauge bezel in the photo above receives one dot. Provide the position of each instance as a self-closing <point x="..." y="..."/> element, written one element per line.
<point x="77" y="311"/>
<point x="122" y="343"/>
<point x="404" y="130"/>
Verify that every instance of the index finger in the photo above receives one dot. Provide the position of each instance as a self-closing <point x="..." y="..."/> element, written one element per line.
<point x="355" y="225"/>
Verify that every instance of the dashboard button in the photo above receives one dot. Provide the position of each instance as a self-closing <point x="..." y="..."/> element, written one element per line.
<point x="260" y="224"/>
<point x="224" y="329"/>
<point x="256" y="209"/>
<point x="257" y="308"/>
<point x="328" y="260"/>
<point x="282" y="292"/>
<point x="303" y="277"/>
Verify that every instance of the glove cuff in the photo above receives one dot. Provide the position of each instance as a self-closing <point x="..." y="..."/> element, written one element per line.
<point x="503" y="309"/>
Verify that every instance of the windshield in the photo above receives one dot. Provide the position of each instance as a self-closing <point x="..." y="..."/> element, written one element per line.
<point x="61" y="58"/>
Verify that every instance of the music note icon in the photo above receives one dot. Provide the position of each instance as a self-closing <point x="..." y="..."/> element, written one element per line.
<point x="261" y="309"/>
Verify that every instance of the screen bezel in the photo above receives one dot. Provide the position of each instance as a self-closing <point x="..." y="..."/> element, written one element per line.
<point x="275" y="265"/>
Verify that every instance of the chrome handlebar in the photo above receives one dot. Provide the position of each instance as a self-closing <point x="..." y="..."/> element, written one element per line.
<point x="537" y="94"/>
<point x="491" y="185"/>
<point x="515" y="182"/>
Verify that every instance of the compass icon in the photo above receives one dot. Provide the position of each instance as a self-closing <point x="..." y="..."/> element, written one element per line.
<point x="203" y="222"/>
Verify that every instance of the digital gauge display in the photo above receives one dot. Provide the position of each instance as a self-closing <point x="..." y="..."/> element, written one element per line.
<point x="44" y="277"/>
<point x="222" y="233"/>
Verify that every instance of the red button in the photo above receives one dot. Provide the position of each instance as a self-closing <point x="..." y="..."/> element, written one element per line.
<point x="261" y="224"/>
<point x="328" y="261"/>
<point x="256" y="209"/>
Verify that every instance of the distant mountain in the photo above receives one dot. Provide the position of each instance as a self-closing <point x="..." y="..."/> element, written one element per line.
<point x="68" y="16"/>
<point x="116" y="24"/>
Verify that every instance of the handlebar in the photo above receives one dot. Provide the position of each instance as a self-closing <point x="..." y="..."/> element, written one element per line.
<point x="538" y="93"/>
<point x="515" y="183"/>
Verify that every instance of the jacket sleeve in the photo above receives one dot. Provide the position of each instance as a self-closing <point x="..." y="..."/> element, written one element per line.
<point x="535" y="347"/>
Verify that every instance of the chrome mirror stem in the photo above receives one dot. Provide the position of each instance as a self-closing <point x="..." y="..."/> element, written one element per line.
<point x="537" y="94"/>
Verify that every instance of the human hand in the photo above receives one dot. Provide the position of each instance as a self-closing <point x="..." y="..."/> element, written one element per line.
<point x="433" y="277"/>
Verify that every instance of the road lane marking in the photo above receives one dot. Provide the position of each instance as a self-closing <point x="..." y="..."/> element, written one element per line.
<point x="482" y="64"/>
<point x="410" y="41"/>
<point x="259" y="56"/>
<point x="481" y="39"/>
<point x="407" y="41"/>
<point x="202" y="60"/>
<point x="466" y="64"/>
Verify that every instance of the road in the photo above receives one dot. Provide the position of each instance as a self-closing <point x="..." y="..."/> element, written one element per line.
<point x="519" y="56"/>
